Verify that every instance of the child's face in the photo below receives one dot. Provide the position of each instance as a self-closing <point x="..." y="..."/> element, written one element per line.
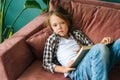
<point x="59" y="26"/>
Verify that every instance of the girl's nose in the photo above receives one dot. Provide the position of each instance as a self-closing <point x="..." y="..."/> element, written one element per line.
<point x="59" y="26"/>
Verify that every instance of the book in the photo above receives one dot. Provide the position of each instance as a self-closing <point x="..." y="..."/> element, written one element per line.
<point x="80" y="55"/>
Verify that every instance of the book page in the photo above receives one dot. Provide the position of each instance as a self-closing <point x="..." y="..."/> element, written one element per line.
<point x="80" y="55"/>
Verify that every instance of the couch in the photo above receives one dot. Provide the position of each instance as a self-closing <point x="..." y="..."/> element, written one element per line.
<point x="21" y="55"/>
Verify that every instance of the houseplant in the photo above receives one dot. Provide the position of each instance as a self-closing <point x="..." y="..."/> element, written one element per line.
<point x="6" y="32"/>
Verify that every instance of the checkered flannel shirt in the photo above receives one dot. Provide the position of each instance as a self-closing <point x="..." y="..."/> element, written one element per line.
<point x="51" y="46"/>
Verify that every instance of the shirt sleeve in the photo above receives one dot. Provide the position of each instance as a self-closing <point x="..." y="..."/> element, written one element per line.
<point x="82" y="38"/>
<point x="48" y="56"/>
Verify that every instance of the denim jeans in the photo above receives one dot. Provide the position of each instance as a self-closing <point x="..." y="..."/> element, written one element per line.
<point x="97" y="62"/>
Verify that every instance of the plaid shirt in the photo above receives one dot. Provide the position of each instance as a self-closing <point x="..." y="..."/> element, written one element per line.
<point x="51" y="46"/>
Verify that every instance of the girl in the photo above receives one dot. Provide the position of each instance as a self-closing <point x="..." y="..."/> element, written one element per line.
<point x="62" y="46"/>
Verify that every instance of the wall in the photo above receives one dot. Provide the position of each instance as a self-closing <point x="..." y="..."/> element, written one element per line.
<point x="15" y="7"/>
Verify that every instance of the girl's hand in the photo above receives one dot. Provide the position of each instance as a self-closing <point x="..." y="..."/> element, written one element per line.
<point x="62" y="69"/>
<point x="68" y="69"/>
<point x="107" y="40"/>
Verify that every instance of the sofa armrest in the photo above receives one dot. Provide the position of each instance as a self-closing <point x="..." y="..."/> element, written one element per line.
<point x="15" y="57"/>
<point x="15" y="54"/>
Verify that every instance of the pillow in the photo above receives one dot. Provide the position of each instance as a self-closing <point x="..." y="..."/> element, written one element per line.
<point x="37" y="41"/>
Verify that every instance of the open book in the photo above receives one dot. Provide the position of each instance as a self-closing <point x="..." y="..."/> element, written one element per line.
<point x="80" y="55"/>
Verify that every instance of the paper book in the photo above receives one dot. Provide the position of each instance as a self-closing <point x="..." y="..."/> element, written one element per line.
<point x="80" y="55"/>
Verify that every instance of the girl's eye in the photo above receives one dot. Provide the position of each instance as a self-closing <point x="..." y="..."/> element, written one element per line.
<point x="54" y="25"/>
<point x="62" y="22"/>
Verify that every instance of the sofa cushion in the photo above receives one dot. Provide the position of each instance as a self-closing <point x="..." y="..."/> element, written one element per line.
<point x="36" y="72"/>
<point x="37" y="41"/>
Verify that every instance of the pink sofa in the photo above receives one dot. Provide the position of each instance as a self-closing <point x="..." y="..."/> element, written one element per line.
<point x="21" y="55"/>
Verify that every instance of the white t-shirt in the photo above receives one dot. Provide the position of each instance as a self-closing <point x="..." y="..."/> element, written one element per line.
<point x="67" y="49"/>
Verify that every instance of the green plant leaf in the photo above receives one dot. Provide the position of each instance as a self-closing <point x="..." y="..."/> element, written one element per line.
<point x="2" y="1"/>
<point x="47" y="4"/>
<point x="32" y="4"/>
<point x="0" y="15"/>
<point x="2" y="4"/>
<point x="46" y="1"/>
<point x="11" y="31"/>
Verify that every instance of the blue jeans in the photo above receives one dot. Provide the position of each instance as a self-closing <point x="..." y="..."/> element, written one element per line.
<point x="98" y="61"/>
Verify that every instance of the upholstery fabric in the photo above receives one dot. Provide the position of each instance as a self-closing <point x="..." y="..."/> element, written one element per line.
<point x="37" y="41"/>
<point x="16" y="58"/>
<point x="36" y="72"/>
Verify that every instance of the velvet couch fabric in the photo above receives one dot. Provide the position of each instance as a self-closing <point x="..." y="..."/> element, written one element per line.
<point x="21" y="55"/>
<point x="37" y="41"/>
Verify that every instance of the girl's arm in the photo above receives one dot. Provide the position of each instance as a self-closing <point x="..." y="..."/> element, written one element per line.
<point x="84" y="40"/>
<point x="62" y="69"/>
<point x="48" y="55"/>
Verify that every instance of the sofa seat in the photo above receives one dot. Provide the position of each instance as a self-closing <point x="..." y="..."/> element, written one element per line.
<point x="114" y="73"/>
<point x="36" y="72"/>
